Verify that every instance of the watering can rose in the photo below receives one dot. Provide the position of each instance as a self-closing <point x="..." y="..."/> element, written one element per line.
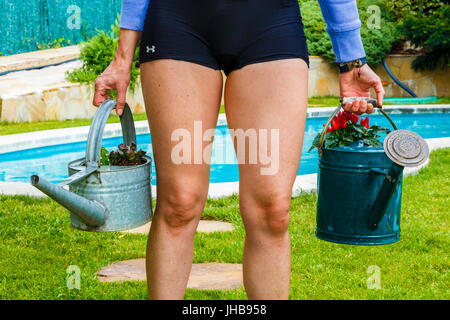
<point x="345" y="130"/>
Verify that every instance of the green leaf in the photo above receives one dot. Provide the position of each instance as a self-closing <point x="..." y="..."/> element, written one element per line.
<point x="372" y="142"/>
<point x="315" y="143"/>
<point x="378" y="129"/>
<point x="104" y="157"/>
<point x="360" y="129"/>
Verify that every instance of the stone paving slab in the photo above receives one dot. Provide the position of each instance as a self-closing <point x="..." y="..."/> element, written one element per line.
<point x="21" y="83"/>
<point x="38" y="58"/>
<point x="204" y="276"/>
<point x="206" y="226"/>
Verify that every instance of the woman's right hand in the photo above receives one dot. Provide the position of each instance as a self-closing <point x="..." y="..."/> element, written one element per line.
<point x="118" y="74"/>
<point x="115" y="77"/>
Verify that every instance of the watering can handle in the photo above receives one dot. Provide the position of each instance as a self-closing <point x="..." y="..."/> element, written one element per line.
<point x="94" y="141"/>
<point x="343" y="101"/>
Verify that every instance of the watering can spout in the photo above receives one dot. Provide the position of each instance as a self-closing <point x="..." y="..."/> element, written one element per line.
<point x="91" y="212"/>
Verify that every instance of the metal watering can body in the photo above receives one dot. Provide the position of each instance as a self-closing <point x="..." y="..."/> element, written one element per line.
<point x="349" y="181"/>
<point x="359" y="188"/>
<point x="104" y="198"/>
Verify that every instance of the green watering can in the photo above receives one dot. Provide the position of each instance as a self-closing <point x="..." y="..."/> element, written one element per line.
<point x="360" y="187"/>
<point x="104" y="198"/>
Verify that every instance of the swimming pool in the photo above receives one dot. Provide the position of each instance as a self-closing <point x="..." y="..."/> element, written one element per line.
<point x="51" y="162"/>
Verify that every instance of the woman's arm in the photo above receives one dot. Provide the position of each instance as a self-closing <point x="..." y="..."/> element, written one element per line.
<point x="343" y="26"/>
<point x="117" y="75"/>
<point x="133" y="14"/>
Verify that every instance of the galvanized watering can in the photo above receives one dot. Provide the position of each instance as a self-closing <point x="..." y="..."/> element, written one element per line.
<point x="104" y="198"/>
<point x="360" y="187"/>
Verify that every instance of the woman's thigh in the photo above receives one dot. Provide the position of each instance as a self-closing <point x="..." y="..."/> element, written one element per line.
<point x="182" y="101"/>
<point x="270" y="99"/>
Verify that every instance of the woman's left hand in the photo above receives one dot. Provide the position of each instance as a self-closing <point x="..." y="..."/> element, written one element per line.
<point x="357" y="83"/>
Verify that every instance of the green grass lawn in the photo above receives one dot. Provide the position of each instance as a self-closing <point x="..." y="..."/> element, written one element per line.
<point x="20" y="127"/>
<point x="37" y="245"/>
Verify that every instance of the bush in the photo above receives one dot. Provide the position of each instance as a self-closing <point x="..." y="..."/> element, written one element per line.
<point x="403" y="9"/>
<point x="431" y="32"/>
<point x="97" y="53"/>
<point x="319" y="43"/>
<point x="377" y="42"/>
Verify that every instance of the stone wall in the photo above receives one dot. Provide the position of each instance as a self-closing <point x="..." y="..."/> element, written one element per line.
<point x="63" y="103"/>
<point x="323" y="78"/>
<point x="422" y="83"/>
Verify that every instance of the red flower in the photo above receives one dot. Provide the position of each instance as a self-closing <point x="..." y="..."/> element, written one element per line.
<point x="354" y="118"/>
<point x="348" y="115"/>
<point x="342" y="119"/>
<point x="365" y="122"/>
<point x="335" y="123"/>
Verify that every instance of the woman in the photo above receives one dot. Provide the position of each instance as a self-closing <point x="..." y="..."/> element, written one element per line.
<point x="261" y="46"/>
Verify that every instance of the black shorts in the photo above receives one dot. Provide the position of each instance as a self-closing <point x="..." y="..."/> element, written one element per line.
<point x="223" y="34"/>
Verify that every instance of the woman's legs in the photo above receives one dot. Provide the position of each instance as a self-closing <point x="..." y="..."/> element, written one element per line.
<point x="176" y="94"/>
<point x="269" y="95"/>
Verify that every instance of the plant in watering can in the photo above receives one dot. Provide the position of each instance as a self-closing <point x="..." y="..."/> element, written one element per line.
<point x="125" y="155"/>
<point x="345" y="129"/>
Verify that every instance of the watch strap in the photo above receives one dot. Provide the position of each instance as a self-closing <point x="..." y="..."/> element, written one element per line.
<point x="349" y="66"/>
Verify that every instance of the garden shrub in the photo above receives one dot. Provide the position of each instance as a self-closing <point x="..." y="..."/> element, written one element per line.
<point x="403" y="9"/>
<point x="432" y="32"/>
<point x="97" y="53"/>
<point x="377" y="42"/>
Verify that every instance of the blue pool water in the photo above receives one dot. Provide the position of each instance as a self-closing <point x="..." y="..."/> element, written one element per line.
<point x="51" y="162"/>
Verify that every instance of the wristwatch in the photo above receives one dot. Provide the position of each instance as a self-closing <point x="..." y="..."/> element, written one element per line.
<point x="349" y="66"/>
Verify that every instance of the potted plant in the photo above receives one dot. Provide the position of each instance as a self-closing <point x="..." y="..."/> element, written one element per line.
<point x="124" y="156"/>
<point x="345" y="130"/>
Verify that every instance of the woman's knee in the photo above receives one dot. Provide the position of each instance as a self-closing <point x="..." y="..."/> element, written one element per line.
<point x="180" y="209"/>
<point x="271" y="213"/>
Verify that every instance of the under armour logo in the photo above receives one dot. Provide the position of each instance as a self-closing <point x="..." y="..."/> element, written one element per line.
<point x="151" y="49"/>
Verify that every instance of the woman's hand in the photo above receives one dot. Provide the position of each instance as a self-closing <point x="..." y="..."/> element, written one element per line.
<point x="115" y="77"/>
<point x="357" y="83"/>
<point x="118" y="74"/>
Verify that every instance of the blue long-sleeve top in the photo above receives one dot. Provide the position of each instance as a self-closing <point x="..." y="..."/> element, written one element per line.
<point x="341" y="17"/>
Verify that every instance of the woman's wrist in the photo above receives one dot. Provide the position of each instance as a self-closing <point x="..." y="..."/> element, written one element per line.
<point x="344" y="67"/>
<point x="126" y="48"/>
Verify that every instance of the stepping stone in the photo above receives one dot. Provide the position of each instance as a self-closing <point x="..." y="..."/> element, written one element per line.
<point x="204" y="276"/>
<point x="206" y="226"/>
